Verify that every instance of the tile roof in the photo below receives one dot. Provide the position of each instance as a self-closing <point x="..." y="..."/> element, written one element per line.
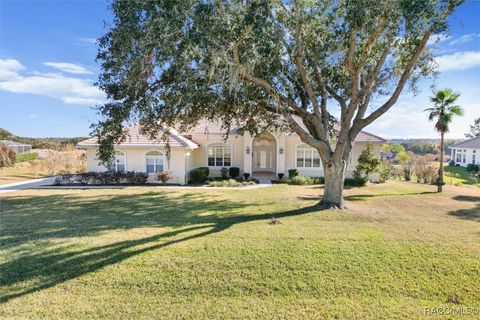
<point x="175" y="139"/>
<point x="208" y="127"/>
<point x="136" y="138"/>
<point x="473" y="143"/>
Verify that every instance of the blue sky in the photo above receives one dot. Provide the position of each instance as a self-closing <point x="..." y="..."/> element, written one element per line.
<point x="47" y="71"/>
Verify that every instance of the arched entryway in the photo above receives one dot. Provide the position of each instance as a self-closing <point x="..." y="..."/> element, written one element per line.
<point x="264" y="158"/>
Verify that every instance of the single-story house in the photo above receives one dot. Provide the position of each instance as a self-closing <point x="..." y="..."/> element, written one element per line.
<point x="263" y="155"/>
<point x="466" y="152"/>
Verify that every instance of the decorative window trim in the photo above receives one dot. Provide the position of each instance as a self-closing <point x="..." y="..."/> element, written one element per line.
<point x="313" y="151"/>
<point x="219" y="144"/>
<point x="163" y="156"/>
<point x="115" y="164"/>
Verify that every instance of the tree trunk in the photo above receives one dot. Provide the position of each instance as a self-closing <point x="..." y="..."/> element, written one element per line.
<point x="440" y="169"/>
<point x="334" y="179"/>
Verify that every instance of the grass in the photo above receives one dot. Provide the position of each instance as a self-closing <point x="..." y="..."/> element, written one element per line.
<point x="20" y="172"/>
<point x="143" y="253"/>
<point x="462" y="176"/>
<point x="26" y="156"/>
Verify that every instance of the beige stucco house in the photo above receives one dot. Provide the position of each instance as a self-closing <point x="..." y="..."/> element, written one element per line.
<point x="266" y="154"/>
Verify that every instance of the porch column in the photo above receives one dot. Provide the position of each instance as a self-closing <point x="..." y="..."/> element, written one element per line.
<point x="247" y="152"/>
<point x="281" y="153"/>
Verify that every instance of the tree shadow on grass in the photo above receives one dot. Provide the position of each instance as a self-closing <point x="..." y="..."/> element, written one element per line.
<point x="27" y="220"/>
<point x="364" y="197"/>
<point x="467" y="214"/>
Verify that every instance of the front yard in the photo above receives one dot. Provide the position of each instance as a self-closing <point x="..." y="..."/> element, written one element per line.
<point x="200" y="254"/>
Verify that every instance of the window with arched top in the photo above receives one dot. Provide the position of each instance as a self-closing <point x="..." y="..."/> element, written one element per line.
<point x="118" y="164"/>
<point x="155" y="161"/>
<point x="219" y="155"/>
<point x="307" y="157"/>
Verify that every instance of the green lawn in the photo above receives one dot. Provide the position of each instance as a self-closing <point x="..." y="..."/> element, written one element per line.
<point x="464" y="177"/>
<point x="143" y="253"/>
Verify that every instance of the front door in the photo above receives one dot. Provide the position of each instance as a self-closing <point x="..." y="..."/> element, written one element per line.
<point x="263" y="159"/>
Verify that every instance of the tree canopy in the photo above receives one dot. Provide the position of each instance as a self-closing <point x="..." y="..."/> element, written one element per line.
<point x="264" y="64"/>
<point x="474" y="129"/>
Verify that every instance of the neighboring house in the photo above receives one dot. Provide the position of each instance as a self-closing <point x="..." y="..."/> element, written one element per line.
<point x="466" y="152"/>
<point x="266" y="154"/>
<point x="17" y="147"/>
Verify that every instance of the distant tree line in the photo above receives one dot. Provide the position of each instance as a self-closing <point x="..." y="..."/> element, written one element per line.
<point x="42" y="143"/>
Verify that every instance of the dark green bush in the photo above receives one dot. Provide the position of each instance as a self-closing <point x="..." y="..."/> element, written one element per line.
<point x="473" y="168"/>
<point x="357" y="181"/>
<point x="199" y="175"/>
<point x="234" y="172"/>
<point x="292" y="173"/>
<point x="224" y="173"/>
<point x="133" y="177"/>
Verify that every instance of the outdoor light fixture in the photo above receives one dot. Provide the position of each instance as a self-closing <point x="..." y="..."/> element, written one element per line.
<point x="280" y="150"/>
<point x="247" y="150"/>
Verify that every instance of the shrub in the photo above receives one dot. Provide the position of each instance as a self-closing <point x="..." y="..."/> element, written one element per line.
<point x="133" y="177"/>
<point x="164" y="176"/>
<point x="473" y="168"/>
<point x="57" y="181"/>
<point x="230" y="183"/>
<point x="7" y="156"/>
<point x="356" y="181"/>
<point x="199" y="175"/>
<point x="26" y="157"/>
<point x="86" y="177"/>
<point x="385" y="171"/>
<point x="300" y="181"/>
<point x="292" y="173"/>
<point x="368" y="162"/>
<point x="234" y="172"/>
<point x="224" y="172"/>
<point x="246" y="176"/>
<point x="280" y="176"/>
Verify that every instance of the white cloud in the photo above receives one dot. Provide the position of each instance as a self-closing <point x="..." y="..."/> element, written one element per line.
<point x="464" y="39"/>
<point x="65" y="88"/>
<point x="10" y="68"/>
<point x="68" y="67"/>
<point x="88" y="40"/>
<point x="458" y="60"/>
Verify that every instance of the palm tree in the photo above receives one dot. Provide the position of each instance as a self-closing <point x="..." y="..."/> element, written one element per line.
<point x="443" y="111"/>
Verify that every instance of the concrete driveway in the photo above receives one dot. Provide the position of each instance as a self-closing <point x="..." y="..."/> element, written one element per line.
<point x="27" y="184"/>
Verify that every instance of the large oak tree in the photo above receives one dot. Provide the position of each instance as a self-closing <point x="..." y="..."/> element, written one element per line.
<point x="301" y="65"/>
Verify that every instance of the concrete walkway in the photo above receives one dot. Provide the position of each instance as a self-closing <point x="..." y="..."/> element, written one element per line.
<point x="27" y="184"/>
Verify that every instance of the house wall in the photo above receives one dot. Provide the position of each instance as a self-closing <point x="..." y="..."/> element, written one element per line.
<point x="199" y="155"/>
<point x="291" y="157"/>
<point x="468" y="152"/>
<point x="135" y="161"/>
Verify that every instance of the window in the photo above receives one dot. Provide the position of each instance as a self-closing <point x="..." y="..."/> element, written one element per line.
<point x="118" y="164"/>
<point x="458" y="157"/>
<point x="473" y="158"/>
<point x="464" y="157"/>
<point x="155" y="161"/>
<point x="219" y="155"/>
<point x="307" y="157"/>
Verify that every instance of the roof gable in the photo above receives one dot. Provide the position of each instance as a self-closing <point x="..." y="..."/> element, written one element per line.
<point x="473" y="143"/>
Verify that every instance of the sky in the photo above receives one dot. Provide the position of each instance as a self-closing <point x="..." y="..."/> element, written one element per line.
<point x="48" y="71"/>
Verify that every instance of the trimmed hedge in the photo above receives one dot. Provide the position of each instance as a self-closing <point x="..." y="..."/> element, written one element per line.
<point x="104" y="178"/>
<point x="234" y="172"/>
<point x="199" y="175"/>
